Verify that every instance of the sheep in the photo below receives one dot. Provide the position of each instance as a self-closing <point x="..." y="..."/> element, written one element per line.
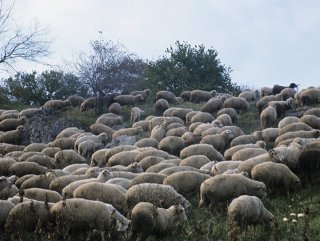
<point x="161" y="221"/>
<point x="287" y="120"/>
<point x="203" y="117"/>
<point x="167" y="95"/>
<point x="118" y="149"/>
<point x="149" y="161"/>
<point x="300" y="126"/>
<point x="44" y="161"/>
<point x="39" y="181"/>
<point x="63" y="143"/>
<point x="311" y="120"/>
<point x="147" y="142"/>
<point x="41" y="194"/>
<point x="221" y="188"/>
<point x="247" y="165"/>
<point x="28" y="216"/>
<point x="185" y="95"/>
<point x="196" y="161"/>
<point x="123" y="158"/>
<point x="249" y="210"/>
<point x="260" y="104"/>
<point x="80" y="214"/>
<point x="147" y="177"/>
<point x="98" y="158"/>
<point x="302" y="133"/>
<point x="219" y="141"/>
<point x="171" y="144"/>
<point x="158" y="194"/>
<point x="13" y="137"/>
<point x="102" y="138"/>
<point x="29" y="112"/>
<point x="201" y="149"/>
<point x="68" y="132"/>
<point x="7" y="189"/>
<point x="275" y="175"/>
<point x="5" y="208"/>
<point x="50" y="151"/>
<point x="238" y="103"/>
<point x="282" y="106"/>
<point x="265" y="91"/>
<point x="64" y="158"/>
<point x="246" y="139"/>
<point x="7" y="148"/>
<point x="231" y="112"/>
<point x="120" y="181"/>
<point x="115" y="108"/>
<point x="224" y="119"/>
<point x="308" y="166"/>
<point x="250" y="95"/>
<point x="287" y="93"/>
<point x="213" y="105"/>
<point x="153" y="152"/>
<point x="160" y="106"/>
<point x="76" y="100"/>
<point x="270" y="134"/>
<point x="190" y="115"/>
<point x="223" y="166"/>
<point x="128" y="99"/>
<point x="288" y="155"/>
<point x="109" y="120"/>
<point x="313" y="111"/>
<point x="98" y="128"/>
<point x="198" y="96"/>
<point x="89" y="103"/>
<point x="87" y="148"/>
<point x="236" y="131"/>
<point x="278" y="88"/>
<point x="268" y="117"/>
<point x="11" y="124"/>
<point x="198" y="128"/>
<point x="56" y="105"/>
<point x="5" y="163"/>
<point x="246" y="153"/>
<point x="22" y="168"/>
<point x="310" y="96"/>
<point x="145" y="93"/>
<point x="159" y="167"/>
<point x="107" y="193"/>
<point x="73" y="167"/>
<point x="136" y="114"/>
<point x="186" y="183"/>
<point x="158" y="132"/>
<point x="230" y="151"/>
<point x="169" y="170"/>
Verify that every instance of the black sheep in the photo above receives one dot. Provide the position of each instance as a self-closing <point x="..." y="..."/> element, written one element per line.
<point x="277" y="88"/>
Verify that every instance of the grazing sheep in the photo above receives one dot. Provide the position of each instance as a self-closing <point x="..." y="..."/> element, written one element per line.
<point x="5" y="208"/>
<point x="224" y="119"/>
<point x="64" y="158"/>
<point x="268" y="117"/>
<point x="118" y="149"/>
<point x="44" y="161"/>
<point x="169" y="170"/>
<point x="270" y="134"/>
<point x="158" y="194"/>
<point x="249" y="210"/>
<point x="221" y="188"/>
<point x="213" y="105"/>
<point x="68" y="132"/>
<point x="98" y="128"/>
<point x="79" y="214"/>
<point x="246" y="139"/>
<point x="275" y="175"/>
<point x="147" y="177"/>
<point x="128" y="99"/>
<point x="161" y="222"/>
<point x="13" y="137"/>
<point x="300" y="126"/>
<point x="185" y="95"/>
<point x="41" y="194"/>
<point x="171" y="144"/>
<point x="311" y="120"/>
<point x="39" y="181"/>
<point x="230" y="151"/>
<point x="109" y="120"/>
<point x="11" y="124"/>
<point x="203" y="117"/>
<point x="89" y="103"/>
<point x="76" y="100"/>
<point x="278" y="88"/>
<point x="63" y="143"/>
<point x="246" y="153"/>
<point x="160" y="106"/>
<point x="309" y="165"/>
<point x="291" y="135"/>
<point x="231" y="112"/>
<point x="123" y="158"/>
<point x="263" y="102"/>
<point x="102" y="139"/>
<point x="310" y="96"/>
<point x="287" y="93"/>
<point x="50" y="151"/>
<point x="199" y="127"/>
<point x="136" y="114"/>
<point x="7" y="189"/>
<point x="56" y="105"/>
<point x="115" y="108"/>
<point x="265" y="91"/>
<point x="250" y="95"/>
<point x="107" y="193"/>
<point x="159" y="131"/>
<point x="247" y="165"/>
<point x="198" y="96"/>
<point x="223" y="166"/>
<point x="313" y="111"/>
<point x="5" y="163"/>
<point x="159" y="167"/>
<point x="219" y="141"/>
<point x="287" y="120"/>
<point x="167" y="95"/>
<point x="196" y="161"/>
<point x="22" y="168"/>
<point x="120" y="181"/>
<point x="145" y="93"/>
<point x="186" y="183"/>
<point x="147" y="142"/>
<point x="237" y="103"/>
<point x="29" y="112"/>
<point x="201" y="149"/>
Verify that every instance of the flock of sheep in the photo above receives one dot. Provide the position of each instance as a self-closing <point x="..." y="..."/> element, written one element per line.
<point x="94" y="181"/>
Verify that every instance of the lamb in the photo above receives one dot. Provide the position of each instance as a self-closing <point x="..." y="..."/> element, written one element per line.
<point x="160" y="106"/>
<point x="89" y="103"/>
<point x="219" y="141"/>
<point x="136" y="114"/>
<point x="161" y="222"/>
<point x="41" y="194"/>
<point x="250" y="95"/>
<point x="201" y="149"/>
<point x="196" y="161"/>
<point x="115" y="108"/>
<point x="76" y="100"/>
<point x="27" y="216"/>
<point x="186" y="183"/>
<point x="249" y="210"/>
<point x="278" y="88"/>
<point x="275" y="175"/>
<point x="268" y="117"/>
<point x="128" y="99"/>
<point x="198" y="96"/>
<point x="221" y="188"/>
<point x="247" y="153"/>
<point x="107" y="193"/>
<point x="56" y="105"/>
<point x="12" y="123"/>
<point x="80" y="214"/>
<point x="311" y="120"/>
<point x="13" y="137"/>
<point x="22" y="168"/>
<point x="171" y="144"/>
<point x="230" y="151"/>
<point x="64" y="158"/>
<point x="223" y="166"/>
<point x="158" y="194"/>
<point x="247" y="165"/>
<point x="237" y="103"/>
<point x="167" y="95"/>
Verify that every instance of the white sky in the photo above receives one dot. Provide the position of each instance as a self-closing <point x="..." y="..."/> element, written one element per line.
<point x="264" y="41"/>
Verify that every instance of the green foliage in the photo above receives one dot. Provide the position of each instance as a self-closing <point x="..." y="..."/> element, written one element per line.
<point x="188" y="68"/>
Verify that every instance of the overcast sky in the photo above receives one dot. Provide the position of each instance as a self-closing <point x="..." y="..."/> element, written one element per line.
<point x="263" y="41"/>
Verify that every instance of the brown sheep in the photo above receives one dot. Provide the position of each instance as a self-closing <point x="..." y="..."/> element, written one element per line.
<point x="160" y="106"/>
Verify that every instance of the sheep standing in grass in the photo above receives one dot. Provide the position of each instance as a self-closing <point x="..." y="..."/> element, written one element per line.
<point x="219" y="141"/>
<point x="249" y="210"/>
<point x="268" y="117"/>
<point x="160" y="106"/>
<point x="167" y="95"/>
<point x="161" y="222"/>
<point x="198" y="96"/>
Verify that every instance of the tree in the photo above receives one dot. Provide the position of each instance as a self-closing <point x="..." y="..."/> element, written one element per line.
<point x="186" y="68"/>
<point x="18" y="44"/>
<point x="109" y="68"/>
